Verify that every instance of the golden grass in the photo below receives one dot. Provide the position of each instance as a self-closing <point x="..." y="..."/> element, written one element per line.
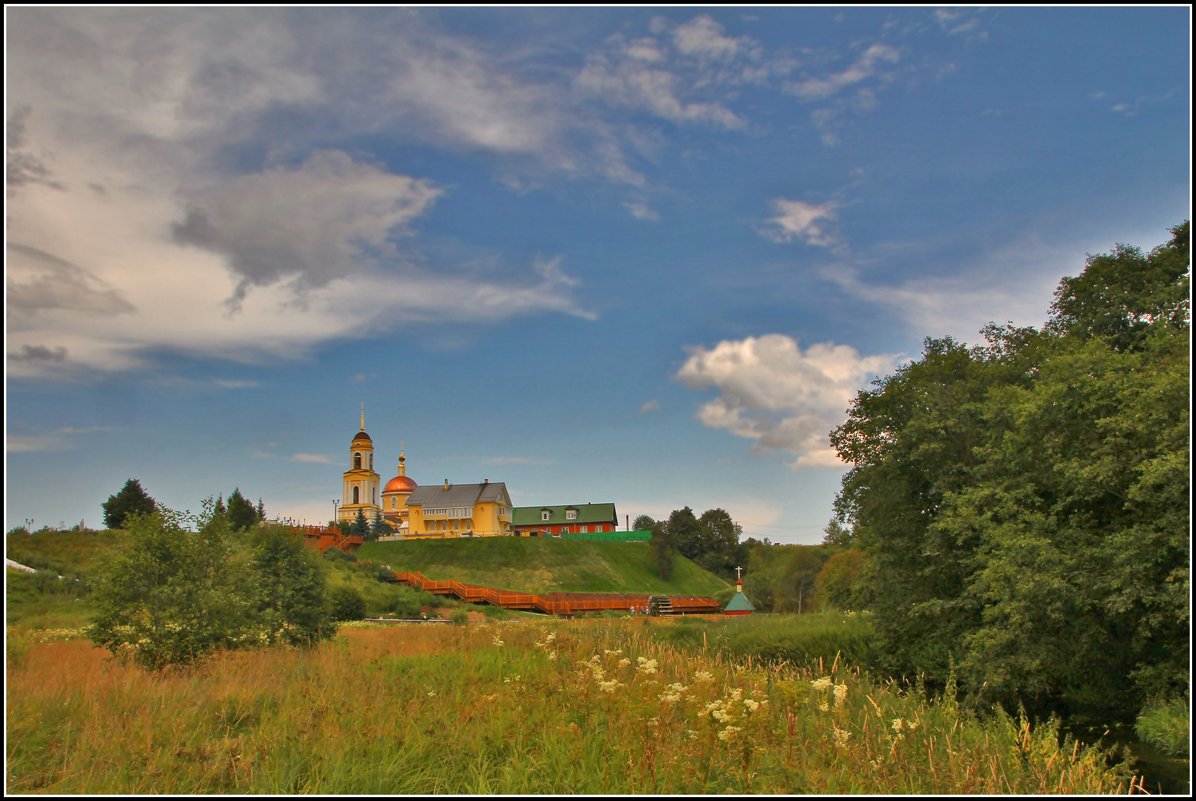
<point x="550" y="706"/>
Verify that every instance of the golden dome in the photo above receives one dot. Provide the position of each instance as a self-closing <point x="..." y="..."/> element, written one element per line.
<point x="399" y="484"/>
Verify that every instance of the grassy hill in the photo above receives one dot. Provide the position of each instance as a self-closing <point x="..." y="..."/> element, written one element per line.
<point x="527" y="565"/>
<point x="534" y="564"/>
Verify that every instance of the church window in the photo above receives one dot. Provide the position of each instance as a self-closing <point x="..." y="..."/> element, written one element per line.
<point x="356" y="463"/>
<point x="356" y="495"/>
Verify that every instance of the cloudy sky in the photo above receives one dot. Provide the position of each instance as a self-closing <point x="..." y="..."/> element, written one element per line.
<point x="645" y="256"/>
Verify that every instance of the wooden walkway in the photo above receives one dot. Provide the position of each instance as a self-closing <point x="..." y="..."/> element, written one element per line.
<point x="557" y="603"/>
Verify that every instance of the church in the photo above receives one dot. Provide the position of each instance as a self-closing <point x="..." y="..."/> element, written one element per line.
<point x="436" y="511"/>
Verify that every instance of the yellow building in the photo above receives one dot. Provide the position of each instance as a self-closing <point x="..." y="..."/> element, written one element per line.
<point x="394" y="498"/>
<point x="360" y="482"/>
<point x="459" y="510"/>
<point x="449" y="510"/>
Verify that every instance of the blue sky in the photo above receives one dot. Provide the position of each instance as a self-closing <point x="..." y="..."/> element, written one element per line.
<point x="641" y="256"/>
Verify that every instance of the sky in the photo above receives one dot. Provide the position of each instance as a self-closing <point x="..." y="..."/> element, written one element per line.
<point x="645" y="256"/>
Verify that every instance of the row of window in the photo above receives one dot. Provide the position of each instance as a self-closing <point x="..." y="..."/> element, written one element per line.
<point x="570" y="514"/>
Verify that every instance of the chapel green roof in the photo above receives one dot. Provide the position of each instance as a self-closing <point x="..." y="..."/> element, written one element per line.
<point x="739" y="603"/>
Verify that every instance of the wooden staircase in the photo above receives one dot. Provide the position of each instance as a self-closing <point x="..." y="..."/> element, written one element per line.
<point x="562" y="603"/>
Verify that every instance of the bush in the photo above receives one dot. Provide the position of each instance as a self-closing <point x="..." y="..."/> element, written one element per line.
<point x="1166" y="725"/>
<point x="171" y="596"/>
<point x="290" y="579"/>
<point x="345" y="603"/>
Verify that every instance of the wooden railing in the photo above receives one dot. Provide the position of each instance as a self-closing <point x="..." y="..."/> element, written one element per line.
<point x="555" y="603"/>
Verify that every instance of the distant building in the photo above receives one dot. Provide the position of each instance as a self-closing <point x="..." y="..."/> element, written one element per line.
<point x="360" y="482"/>
<point x="459" y="510"/>
<point x="585" y="518"/>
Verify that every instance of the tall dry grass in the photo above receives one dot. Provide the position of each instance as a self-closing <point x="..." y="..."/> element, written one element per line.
<point x="520" y="708"/>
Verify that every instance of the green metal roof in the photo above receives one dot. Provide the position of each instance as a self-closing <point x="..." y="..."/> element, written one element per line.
<point x="739" y="603"/>
<point x="586" y="513"/>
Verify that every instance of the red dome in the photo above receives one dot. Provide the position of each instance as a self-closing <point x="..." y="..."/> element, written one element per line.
<point x="399" y="484"/>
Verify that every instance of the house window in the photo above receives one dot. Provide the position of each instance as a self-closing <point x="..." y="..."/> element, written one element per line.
<point x="571" y="514"/>
<point x="585" y="529"/>
<point x="545" y="515"/>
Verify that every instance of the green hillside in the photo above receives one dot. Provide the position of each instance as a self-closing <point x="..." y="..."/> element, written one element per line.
<point x="535" y="564"/>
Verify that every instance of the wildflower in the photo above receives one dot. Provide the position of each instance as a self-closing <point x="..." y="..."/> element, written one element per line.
<point x="648" y="666"/>
<point x="613" y="653"/>
<point x="609" y="686"/>
<point x="552" y="656"/>
<point x="624" y="662"/>
<point x="751" y="705"/>
<point x="821" y="684"/>
<point x="841" y="736"/>
<point x="703" y="676"/>
<point x="824" y="707"/>
<point x="431" y="693"/>
<point x="840" y="694"/>
<point x="726" y="734"/>
<point x="897" y="725"/>
<point x="498" y="640"/>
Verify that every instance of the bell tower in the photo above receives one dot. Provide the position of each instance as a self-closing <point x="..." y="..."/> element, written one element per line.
<point x="360" y="483"/>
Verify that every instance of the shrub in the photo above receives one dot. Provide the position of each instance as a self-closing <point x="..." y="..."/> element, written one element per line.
<point x="171" y="596"/>
<point x="345" y="603"/>
<point x="1166" y="725"/>
<point x="290" y="579"/>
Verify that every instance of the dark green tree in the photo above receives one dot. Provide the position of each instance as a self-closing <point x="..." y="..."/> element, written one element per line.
<point x="662" y="551"/>
<point x="719" y="537"/>
<point x="241" y="513"/>
<point x="345" y="603"/>
<point x="290" y="585"/>
<point x="378" y="527"/>
<point x="131" y="499"/>
<point x="1123" y="295"/>
<point x="685" y="533"/>
<point x="261" y="511"/>
<point x="361" y="526"/>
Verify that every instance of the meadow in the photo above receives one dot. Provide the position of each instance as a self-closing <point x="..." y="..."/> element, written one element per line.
<point x="524" y="706"/>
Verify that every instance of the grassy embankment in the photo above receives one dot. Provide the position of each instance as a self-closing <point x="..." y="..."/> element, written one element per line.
<point x="524" y="707"/>
<point x="535" y="564"/>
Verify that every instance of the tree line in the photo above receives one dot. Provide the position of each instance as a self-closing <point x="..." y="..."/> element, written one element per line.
<point x="133" y="499"/>
<point x="1023" y="505"/>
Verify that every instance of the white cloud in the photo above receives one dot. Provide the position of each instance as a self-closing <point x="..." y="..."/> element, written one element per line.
<point x="684" y="73"/>
<point x="783" y="398"/>
<point x="143" y="204"/>
<point x="650" y="406"/>
<point x="808" y="222"/>
<point x="867" y="66"/>
<point x="1013" y="282"/>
